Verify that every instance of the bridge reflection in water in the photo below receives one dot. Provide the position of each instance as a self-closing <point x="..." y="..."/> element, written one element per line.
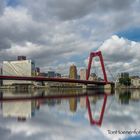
<point x="66" y="114"/>
<point x="23" y="106"/>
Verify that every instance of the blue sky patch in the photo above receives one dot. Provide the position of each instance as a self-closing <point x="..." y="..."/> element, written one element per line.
<point x="131" y="34"/>
<point x="12" y="3"/>
<point x="134" y="138"/>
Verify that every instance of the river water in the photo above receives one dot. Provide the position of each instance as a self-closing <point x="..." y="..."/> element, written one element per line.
<point x="65" y="115"/>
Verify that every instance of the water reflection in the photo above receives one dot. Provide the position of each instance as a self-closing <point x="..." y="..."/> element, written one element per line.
<point x="92" y="120"/>
<point x="24" y="105"/>
<point x="125" y="96"/>
<point x="73" y="104"/>
<point x="60" y="113"/>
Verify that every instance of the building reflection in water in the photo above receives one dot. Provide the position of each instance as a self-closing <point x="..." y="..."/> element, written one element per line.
<point x="73" y="104"/>
<point x="24" y="105"/>
<point x="135" y="96"/>
<point x="82" y="102"/>
<point x="124" y="96"/>
<point x="18" y="109"/>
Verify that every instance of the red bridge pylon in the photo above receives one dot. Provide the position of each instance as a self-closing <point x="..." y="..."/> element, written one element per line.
<point x="94" y="54"/>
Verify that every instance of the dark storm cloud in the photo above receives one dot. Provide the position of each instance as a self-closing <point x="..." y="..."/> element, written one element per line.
<point x="71" y="9"/>
<point x="4" y="43"/>
<point x="20" y="28"/>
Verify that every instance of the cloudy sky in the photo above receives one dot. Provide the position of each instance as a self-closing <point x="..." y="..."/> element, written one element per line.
<point x="58" y="33"/>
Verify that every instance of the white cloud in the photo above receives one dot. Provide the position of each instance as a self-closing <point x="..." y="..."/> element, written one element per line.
<point x="121" y="54"/>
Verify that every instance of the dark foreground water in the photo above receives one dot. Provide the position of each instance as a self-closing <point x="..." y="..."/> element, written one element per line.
<point x="65" y="115"/>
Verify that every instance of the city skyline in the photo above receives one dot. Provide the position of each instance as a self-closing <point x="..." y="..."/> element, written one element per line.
<point x="58" y="34"/>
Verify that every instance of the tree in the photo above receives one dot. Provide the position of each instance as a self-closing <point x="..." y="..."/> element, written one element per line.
<point x="126" y="81"/>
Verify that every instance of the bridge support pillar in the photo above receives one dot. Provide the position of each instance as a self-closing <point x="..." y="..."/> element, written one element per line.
<point x="92" y="55"/>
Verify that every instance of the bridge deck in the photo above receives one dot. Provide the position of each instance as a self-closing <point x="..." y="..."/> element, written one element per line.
<point x="41" y="78"/>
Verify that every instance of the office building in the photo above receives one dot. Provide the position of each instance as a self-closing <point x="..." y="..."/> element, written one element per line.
<point x="73" y="72"/>
<point x="83" y="73"/>
<point x="51" y="74"/>
<point x="21" y="58"/>
<point x="18" y="68"/>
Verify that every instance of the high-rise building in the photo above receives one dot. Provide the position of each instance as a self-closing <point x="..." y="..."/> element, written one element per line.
<point x="83" y="73"/>
<point x="73" y="72"/>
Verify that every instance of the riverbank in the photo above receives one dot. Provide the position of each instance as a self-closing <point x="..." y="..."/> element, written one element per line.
<point x="126" y="87"/>
<point x="31" y="86"/>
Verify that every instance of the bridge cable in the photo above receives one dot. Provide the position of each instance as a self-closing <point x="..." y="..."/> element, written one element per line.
<point x="109" y="71"/>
